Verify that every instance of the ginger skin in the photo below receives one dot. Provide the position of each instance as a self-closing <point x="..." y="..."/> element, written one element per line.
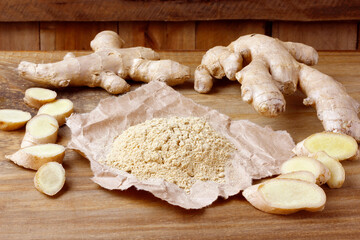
<point x="107" y="67"/>
<point x="336" y="109"/>
<point x="267" y="68"/>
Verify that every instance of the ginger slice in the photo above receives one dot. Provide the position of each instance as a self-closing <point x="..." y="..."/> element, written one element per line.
<point x="12" y="119"/>
<point x="336" y="169"/>
<point x="35" y="156"/>
<point x="40" y="129"/>
<point x="59" y="109"/>
<point x="336" y="145"/>
<point x="320" y="171"/>
<point x="50" y="178"/>
<point x="285" y="196"/>
<point x="36" y="97"/>
<point x="299" y="175"/>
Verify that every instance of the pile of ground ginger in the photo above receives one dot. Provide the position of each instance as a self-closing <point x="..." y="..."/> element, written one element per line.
<point x="180" y="150"/>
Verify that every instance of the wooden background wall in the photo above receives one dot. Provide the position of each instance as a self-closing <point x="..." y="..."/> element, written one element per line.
<point x="176" y="25"/>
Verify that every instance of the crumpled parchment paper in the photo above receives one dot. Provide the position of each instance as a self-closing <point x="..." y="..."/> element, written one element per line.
<point x="261" y="151"/>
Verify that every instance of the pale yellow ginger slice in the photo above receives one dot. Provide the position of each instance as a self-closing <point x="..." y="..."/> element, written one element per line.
<point x="50" y="178"/>
<point x="36" y="97"/>
<point x="336" y="169"/>
<point x="35" y="156"/>
<point x="286" y="196"/>
<point x="299" y="175"/>
<point x="40" y="129"/>
<point x="12" y="119"/>
<point x="301" y="163"/>
<point x="59" y="109"/>
<point x="336" y="145"/>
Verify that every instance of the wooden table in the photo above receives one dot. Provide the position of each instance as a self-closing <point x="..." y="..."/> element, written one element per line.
<point x="83" y="210"/>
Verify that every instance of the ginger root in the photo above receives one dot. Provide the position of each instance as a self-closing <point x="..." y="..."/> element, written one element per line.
<point x="59" y="109"/>
<point x="107" y="67"/>
<point x="300" y="163"/>
<point x="12" y="119"/>
<point x="267" y="68"/>
<point x="40" y="129"/>
<point x="34" y="157"/>
<point x="36" y="97"/>
<point x="286" y="196"/>
<point x="50" y="178"/>
<point x="336" y="145"/>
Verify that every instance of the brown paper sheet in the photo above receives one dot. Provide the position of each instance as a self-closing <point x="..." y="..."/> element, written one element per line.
<point x="260" y="153"/>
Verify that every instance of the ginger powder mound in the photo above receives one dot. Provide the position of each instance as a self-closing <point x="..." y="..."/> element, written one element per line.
<point x="180" y="150"/>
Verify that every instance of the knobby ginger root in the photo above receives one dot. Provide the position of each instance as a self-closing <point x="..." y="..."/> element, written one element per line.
<point x="267" y="68"/>
<point x="336" y="145"/>
<point x="299" y="175"/>
<point x="35" y="156"/>
<point x="336" y="169"/>
<point x="11" y="119"/>
<point x="320" y="171"/>
<point x="36" y="97"/>
<point x="286" y="196"/>
<point x="40" y="130"/>
<point x="107" y="67"/>
<point x="59" y="109"/>
<point x="50" y="178"/>
<point x="336" y="109"/>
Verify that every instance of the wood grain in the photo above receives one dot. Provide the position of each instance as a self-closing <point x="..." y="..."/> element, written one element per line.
<point x="19" y="36"/>
<point x="186" y="35"/>
<point x="221" y="33"/>
<point x="159" y="35"/>
<point x="184" y="10"/>
<point x="83" y="210"/>
<point x="71" y="35"/>
<point x="320" y="35"/>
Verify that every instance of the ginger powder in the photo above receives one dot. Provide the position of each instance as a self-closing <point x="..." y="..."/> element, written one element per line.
<point x="180" y="150"/>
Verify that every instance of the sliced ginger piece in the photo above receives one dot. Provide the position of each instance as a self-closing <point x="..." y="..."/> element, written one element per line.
<point x="40" y="129"/>
<point x="35" y="156"/>
<point x="12" y="119"/>
<point x="300" y="163"/>
<point x="36" y="97"/>
<point x="336" y="145"/>
<point x="50" y="178"/>
<point x="336" y="169"/>
<point x="299" y="175"/>
<point x="285" y="196"/>
<point x="59" y="109"/>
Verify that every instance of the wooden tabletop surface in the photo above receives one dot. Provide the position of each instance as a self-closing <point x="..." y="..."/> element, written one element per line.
<point x="83" y="210"/>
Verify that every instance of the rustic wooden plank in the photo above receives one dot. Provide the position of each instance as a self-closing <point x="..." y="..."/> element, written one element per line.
<point x="19" y="36"/>
<point x="320" y="35"/>
<point x="170" y="10"/>
<point x="147" y="34"/>
<point x="71" y="35"/>
<point x="221" y="33"/>
<point x="83" y="210"/>
<point x="159" y="35"/>
<point x="133" y="33"/>
<point x="180" y="35"/>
